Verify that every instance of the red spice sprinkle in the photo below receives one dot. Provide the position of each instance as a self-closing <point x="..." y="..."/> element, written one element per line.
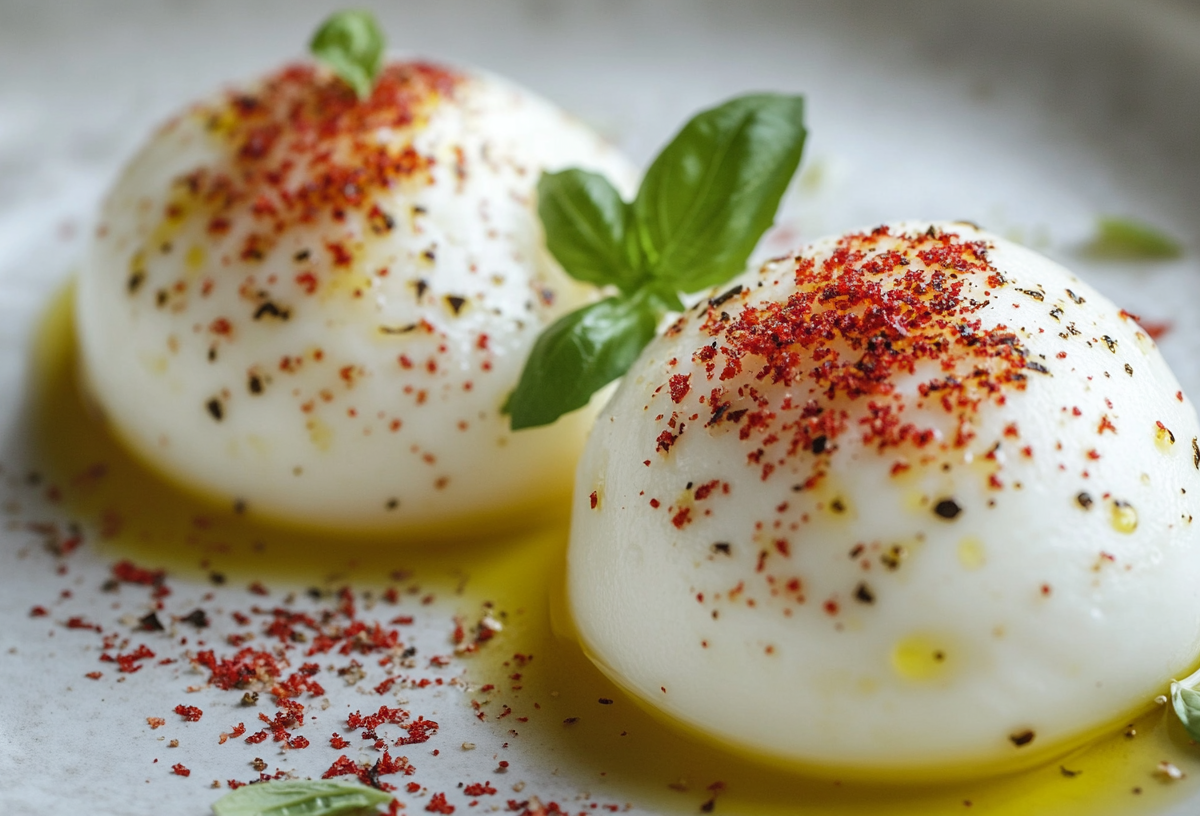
<point x="128" y="663"/>
<point x="95" y="675"/>
<point x="680" y="384"/>
<point x="479" y="789"/>
<point x="880" y="307"/>
<point x="179" y="770"/>
<point x="236" y="732"/>
<point x="413" y="787"/>
<point x="594" y="499"/>
<point x="189" y="713"/>
<point x="128" y="572"/>
<point x="155" y="722"/>
<point x="306" y="148"/>
<point x="1106" y="425"/>
<point x="38" y="612"/>
<point x="437" y="804"/>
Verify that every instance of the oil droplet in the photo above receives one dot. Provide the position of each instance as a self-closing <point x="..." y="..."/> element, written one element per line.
<point x="920" y="657"/>
<point x="320" y="434"/>
<point x="1163" y="437"/>
<point x="1124" y="516"/>
<point x="971" y="554"/>
<point x="195" y="258"/>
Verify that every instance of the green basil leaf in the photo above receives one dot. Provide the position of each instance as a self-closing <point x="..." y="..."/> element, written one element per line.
<point x="352" y="44"/>
<point x="580" y="354"/>
<point x="714" y="190"/>
<point x="1125" y="239"/>
<point x="299" y="797"/>
<point x="586" y="224"/>
<point x="1186" y="702"/>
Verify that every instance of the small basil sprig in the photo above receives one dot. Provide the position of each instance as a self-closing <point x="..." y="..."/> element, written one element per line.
<point x="352" y="44"/>
<point x="1186" y="702"/>
<point x="703" y="205"/>
<point x="299" y="797"/>
<point x="1126" y="239"/>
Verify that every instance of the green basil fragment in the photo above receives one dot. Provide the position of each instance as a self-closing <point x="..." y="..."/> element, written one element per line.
<point x="586" y="224"/>
<point x="580" y="354"/>
<point x="300" y="797"/>
<point x="1186" y="702"/>
<point x="702" y="208"/>
<point x="713" y="191"/>
<point x="352" y="44"/>
<point x="1126" y="239"/>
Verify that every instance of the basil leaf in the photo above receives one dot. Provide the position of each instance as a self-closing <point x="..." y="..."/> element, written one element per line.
<point x="352" y="44"/>
<point x="579" y="354"/>
<point x="714" y="190"/>
<point x="586" y="226"/>
<point x="299" y="797"/>
<point x="1125" y="239"/>
<point x="1186" y="702"/>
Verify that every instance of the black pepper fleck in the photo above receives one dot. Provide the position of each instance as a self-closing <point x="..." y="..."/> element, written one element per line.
<point x="947" y="508"/>
<point x="1021" y="738"/>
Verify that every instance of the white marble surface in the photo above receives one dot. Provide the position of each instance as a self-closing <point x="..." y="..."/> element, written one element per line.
<point x="1028" y="117"/>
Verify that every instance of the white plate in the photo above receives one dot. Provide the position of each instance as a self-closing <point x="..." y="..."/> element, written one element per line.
<point x="1027" y="117"/>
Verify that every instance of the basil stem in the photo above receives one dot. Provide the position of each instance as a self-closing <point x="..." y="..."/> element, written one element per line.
<point x="352" y="44"/>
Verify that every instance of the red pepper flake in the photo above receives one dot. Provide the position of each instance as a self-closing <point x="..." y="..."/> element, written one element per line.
<point x="1092" y="454"/>
<point x="594" y="499"/>
<point x="155" y="722"/>
<point x="236" y="732"/>
<point x="189" y="713"/>
<point x="38" y="612"/>
<point x="128" y="572"/>
<point x="479" y="789"/>
<point x="336" y="741"/>
<point x="682" y="518"/>
<point x="94" y="675"/>
<point x="128" y="663"/>
<point x="654" y="503"/>
<point x="680" y="384"/>
<point x="304" y="148"/>
<point x="1106" y="425"/>
<point x="418" y="731"/>
<point x="258" y="589"/>
<point x="256" y="738"/>
<point x="879" y="307"/>
<point x="1156" y="329"/>
<point x="179" y="770"/>
<point x="437" y="804"/>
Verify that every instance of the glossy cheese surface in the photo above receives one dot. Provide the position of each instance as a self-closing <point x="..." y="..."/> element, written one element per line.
<point x="315" y="307"/>
<point x="912" y="499"/>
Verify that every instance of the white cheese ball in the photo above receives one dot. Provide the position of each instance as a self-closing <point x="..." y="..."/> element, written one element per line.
<point x="315" y="307"/>
<point x="916" y="500"/>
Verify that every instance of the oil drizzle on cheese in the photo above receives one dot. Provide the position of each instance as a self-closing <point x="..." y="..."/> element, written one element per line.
<point x="614" y="748"/>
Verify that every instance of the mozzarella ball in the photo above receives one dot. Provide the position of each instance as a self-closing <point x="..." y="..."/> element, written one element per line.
<point x="913" y="500"/>
<point x="317" y="306"/>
